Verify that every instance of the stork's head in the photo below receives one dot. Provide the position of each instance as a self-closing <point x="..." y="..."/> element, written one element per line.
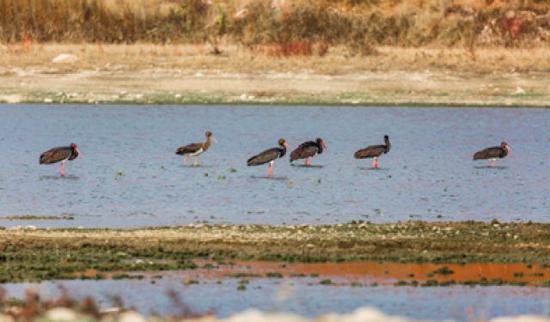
<point x="283" y="143"/>
<point x="75" y="149"/>
<point x="321" y="143"/>
<point x="505" y="146"/>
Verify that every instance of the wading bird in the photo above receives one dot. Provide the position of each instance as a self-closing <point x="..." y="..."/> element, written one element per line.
<point x="195" y="149"/>
<point x="62" y="153"/>
<point x="307" y="150"/>
<point x="269" y="156"/>
<point x="493" y="153"/>
<point x="374" y="151"/>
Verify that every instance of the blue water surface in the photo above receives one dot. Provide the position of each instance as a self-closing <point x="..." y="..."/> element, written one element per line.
<point x="129" y="175"/>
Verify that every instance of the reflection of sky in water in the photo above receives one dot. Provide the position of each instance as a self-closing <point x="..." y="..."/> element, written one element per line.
<point x="428" y="172"/>
<point x="459" y="303"/>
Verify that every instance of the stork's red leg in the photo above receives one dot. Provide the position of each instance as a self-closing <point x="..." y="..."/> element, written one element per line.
<point x="270" y="170"/>
<point x="62" y="170"/>
<point x="493" y="163"/>
<point x="375" y="163"/>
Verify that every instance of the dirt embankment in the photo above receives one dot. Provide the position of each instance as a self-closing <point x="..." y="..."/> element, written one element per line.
<point x="172" y="74"/>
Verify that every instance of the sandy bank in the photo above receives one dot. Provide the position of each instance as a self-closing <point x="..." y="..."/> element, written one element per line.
<point x="154" y="74"/>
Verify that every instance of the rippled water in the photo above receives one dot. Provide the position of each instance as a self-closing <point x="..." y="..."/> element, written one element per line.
<point x="305" y="296"/>
<point x="130" y="176"/>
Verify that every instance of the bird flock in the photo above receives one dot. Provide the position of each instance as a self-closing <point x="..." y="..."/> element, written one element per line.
<point x="305" y="151"/>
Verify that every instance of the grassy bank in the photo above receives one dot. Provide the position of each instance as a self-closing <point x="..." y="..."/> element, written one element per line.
<point x="330" y="52"/>
<point x="31" y="255"/>
<point x="173" y="74"/>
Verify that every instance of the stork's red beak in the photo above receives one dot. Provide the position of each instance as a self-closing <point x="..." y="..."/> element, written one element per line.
<point x="286" y="145"/>
<point x="324" y="146"/>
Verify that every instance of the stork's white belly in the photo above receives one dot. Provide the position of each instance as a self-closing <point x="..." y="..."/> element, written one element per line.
<point x="201" y="150"/>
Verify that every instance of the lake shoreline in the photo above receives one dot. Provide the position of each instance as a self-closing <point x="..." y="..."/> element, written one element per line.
<point x="36" y="254"/>
<point x="302" y="98"/>
<point x="287" y="103"/>
<point x="185" y="74"/>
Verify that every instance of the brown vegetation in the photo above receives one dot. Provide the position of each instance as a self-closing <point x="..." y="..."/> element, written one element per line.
<point x="33" y="307"/>
<point x="286" y="27"/>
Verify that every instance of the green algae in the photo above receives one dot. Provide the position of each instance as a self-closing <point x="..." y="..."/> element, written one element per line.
<point x="384" y="98"/>
<point x="43" y="263"/>
<point x="242" y="275"/>
<point x="273" y="275"/>
<point x="443" y="271"/>
<point x="327" y="281"/>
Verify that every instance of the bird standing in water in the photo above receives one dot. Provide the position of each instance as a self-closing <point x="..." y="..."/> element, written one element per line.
<point x="60" y="154"/>
<point x="374" y="151"/>
<point x="269" y="156"/>
<point x="195" y="149"/>
<point x="307" y="150"/>
<point x="493" y="153"/>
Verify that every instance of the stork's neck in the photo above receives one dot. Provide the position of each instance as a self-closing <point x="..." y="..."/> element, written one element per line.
<point x="207" y="142"/>
<point x="283" y="150"/>
<point x="320" y="147"/>
<point x="388" y="145"/>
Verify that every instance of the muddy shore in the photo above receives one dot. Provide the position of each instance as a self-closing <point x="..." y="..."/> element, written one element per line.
<point x="154" y="74"/>
<point x="36" y="254"/>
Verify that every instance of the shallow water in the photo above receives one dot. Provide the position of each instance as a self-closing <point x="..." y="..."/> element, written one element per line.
<point x="307" y="297"/>
<point x="130" y="176"/>
<point x="367" y="272"/>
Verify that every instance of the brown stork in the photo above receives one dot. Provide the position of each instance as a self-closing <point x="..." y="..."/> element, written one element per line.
<point x="374" y="151"/>
<point x="62" y="153"/>
<point x="269" y="156"/>
<point x="307" y="150"/>
<point x="195" y="149"/>
<point x="493" y="153"/>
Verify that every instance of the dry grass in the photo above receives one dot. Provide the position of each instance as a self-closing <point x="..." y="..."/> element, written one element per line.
<point x="357" y="24"/>
<point x="238" y="59"/>
<point x="33" y="307"/>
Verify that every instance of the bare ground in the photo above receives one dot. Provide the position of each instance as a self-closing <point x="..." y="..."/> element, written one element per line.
<point x="189" y="74"/>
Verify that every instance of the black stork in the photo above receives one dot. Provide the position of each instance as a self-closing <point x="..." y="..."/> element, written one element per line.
<point x="62" y="153"/>
<point x="195" y="149"/>
<point x="307" y="150"/>
<point x="269" y="156"/>
<point x="493" y="153"/>
<point x="374" y="151"/>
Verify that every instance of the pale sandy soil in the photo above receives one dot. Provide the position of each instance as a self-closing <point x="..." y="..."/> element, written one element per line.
<point x="189" y="74"/>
